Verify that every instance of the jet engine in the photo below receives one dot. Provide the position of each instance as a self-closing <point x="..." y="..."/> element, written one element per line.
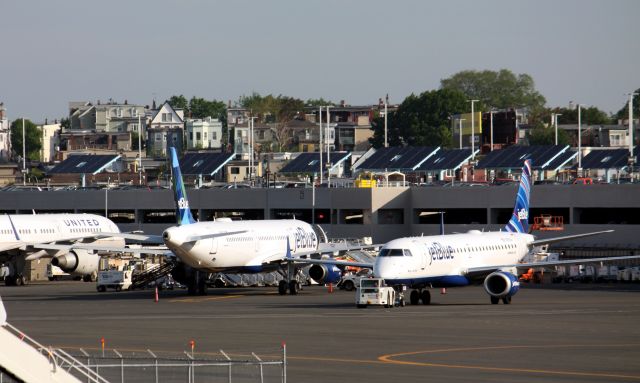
<point x="77" y="261"/>
<point x="325" y="274"/>
<point x="501" y="284"/>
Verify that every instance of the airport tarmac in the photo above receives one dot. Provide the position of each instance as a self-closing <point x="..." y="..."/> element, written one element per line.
<point x="546" y="334"/>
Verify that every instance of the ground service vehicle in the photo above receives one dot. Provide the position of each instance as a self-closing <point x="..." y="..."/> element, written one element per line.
<point x="373" y="291"/>
<point x="114" y="279"/>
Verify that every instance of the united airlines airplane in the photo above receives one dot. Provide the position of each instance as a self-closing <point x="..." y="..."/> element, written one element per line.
<point x="242" y="246"/>
<point x="72" y="240"/>
<point x="453" y="260"/>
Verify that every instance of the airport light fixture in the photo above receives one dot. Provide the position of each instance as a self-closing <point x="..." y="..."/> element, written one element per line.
<point x="473" y="136"/>
<point x="555" y="118"/>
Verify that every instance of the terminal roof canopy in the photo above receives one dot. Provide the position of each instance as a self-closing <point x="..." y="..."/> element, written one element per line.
<point x="398" y="158"/>
<point x="204" y="163"/>
<point x="608" y="158"/>
<point x="446" y="159"/>
<point x="545" y="157"/>
<point x="309" y="162"/>
<point x="84" y="164"/>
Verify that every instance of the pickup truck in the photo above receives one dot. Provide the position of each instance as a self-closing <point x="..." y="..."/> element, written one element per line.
<point x="373" y="291"/>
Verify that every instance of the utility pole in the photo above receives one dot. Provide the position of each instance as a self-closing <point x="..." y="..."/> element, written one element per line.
<point x="24" y="157"/>
<point x="473" y="136"/>
<point x="140" y="148"/>
<point x="386" y="101"/>
<point x="321" y="144"/>
<point x="555" y="117"/>
<point x="579" y="139"/>
<point x="328" y="149"/>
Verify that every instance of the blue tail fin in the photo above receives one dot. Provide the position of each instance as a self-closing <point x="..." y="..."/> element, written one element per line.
<point x="519" y="222"/>
<point x="183" y="213"/>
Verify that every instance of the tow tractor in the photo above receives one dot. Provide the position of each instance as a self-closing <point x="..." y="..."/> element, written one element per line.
<point x="373" y="291"/>
<point x="114" y="279"/>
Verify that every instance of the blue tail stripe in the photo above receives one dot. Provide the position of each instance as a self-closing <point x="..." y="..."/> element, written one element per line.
<point x="183" y="213"/>
<point x="519" y="222"/>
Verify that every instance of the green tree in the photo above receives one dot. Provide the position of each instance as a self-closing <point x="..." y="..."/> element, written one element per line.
<point x="422" y="120"/>
<point x="318" y="102"/>
<point x="33" y="138"/>
<point x="590" y="115"/>
<point x="623" y="113"/>
<point x="502" y="89"/>
<point x="179" y="102"/>
<point x="201" y="108"/>
<point x="541" y="135"/>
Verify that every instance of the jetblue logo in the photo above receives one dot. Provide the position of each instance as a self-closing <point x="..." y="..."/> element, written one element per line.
<point x="523" y="214"/>
<point x="439" y="252"/>
<point x="305" y="240"/>
<point x="183" y="203"/>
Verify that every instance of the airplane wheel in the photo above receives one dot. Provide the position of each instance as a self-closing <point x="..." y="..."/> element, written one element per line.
<point x="293" y="287"/>
<point x="101" y="289"/>
<point x="282" y="287"/>
<point x="506" y="300"/>
<point x="414" y="298"/>
<point x="425" y="297"/>
<point x="495" y="300"/>
<point x="20" y="281"/>
<point x="402" y="302"/>
<point x="348" y="285"/>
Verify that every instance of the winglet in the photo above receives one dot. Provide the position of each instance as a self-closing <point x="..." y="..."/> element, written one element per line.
<point x="183" y="213"/>
<point x="519" y="222"/>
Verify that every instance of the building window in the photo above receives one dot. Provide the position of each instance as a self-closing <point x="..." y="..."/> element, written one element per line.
<point x="214" y="135"/>
<point x="134" y="112"/>
<point x="205" y="135"/>
<point x="166" y="117"/>
<point x="235" y="170"/>
<point x="158" y="136"/>
<point x="119" y="112"/>
<point x="190" y="136"/>
<point x="390" y="216"/>
<point x="261" y="135"/>
<point x="198" y="136"/>
<point x="134" y="127"/>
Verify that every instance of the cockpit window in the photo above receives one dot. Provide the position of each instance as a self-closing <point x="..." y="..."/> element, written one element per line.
<point x="392" y="253"/>
<point x="407" y="253"/>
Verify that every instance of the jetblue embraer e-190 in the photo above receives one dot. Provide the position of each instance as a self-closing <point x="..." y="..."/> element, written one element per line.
<point x="453" y="260"/>
<point x="242" y="246"/>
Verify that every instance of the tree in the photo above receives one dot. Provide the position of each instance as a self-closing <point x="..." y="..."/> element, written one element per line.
<point x="201" y="108"/>
<point x="501" y="89"/>
<point x="547" y="136"/>
<point x="590" y="116"/>
<point x="623" y="114"/>
<point x="422" y="120"/>
<point x="33" y="138"/>
<point x="178" y="102"/>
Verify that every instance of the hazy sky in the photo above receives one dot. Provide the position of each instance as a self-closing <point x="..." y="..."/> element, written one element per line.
<point x="54" y="52"/>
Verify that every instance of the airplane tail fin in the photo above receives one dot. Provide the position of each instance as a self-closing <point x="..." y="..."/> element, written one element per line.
<point x="183" y="213"/>
<point x="519" y="222"/>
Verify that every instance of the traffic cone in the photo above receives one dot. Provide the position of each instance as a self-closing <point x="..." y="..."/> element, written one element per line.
<point x="156" y="296"/>
<point x="330" y="288"/>
<point x="443" y="291"/>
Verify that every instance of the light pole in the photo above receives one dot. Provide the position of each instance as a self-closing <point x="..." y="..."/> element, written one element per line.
<point x="328" y="149"/>
<point x="579" y="138"/>
<point x="106" y="198"/>
<point x="473" y="122"/>
<point x="460" y="129"/>
<point x="321" y="145"/>
<point x="386" y="143"/>
<point x="140" y="148"/>
<point x="24" y="157"/>
<point x="491" y="112"/>
<point x="631" y="123"/>
<point x="251" y="164"/>
<point x="555" y="117"/>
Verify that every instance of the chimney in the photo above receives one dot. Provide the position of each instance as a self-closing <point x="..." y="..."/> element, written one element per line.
<point x="342" y="103"/>
<point x="126" y="102"/>
<point x="46" y="122"/>
<point x="154" y="104"/>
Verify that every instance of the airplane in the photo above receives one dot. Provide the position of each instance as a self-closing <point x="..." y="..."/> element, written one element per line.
<point x="73" y="241"/>
<point x="454" y="260"/>
<point x="256" y="246"/>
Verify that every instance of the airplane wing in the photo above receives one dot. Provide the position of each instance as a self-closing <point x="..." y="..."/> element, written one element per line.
<point x="482" y="269"/>
<point x="326" y="261"/>
<point x="112" y="249"/>
<point x="10" y="246"/>
<point x="134" y="237"/>
<point x="329" y="247"/>
<point x="547" y="241"/>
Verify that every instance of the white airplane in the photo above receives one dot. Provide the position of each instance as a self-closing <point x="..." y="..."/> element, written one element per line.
<point x="453" y="260"/>
<point x="242" y="246"/>
<point x="72" y="240"/>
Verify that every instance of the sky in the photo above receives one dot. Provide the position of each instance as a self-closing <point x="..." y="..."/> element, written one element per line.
<point x="54" y="52"/>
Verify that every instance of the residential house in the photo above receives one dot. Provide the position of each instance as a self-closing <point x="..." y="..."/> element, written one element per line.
<point x="5" y="135"/>
<point x="204" y="133"/>
<point x="166" y="129"/>
<point x="50" y="141"/>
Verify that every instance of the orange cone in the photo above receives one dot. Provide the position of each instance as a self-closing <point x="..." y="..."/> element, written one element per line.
<point x="156" y="297"/>
<point x="330" y="288"/>
<point x="443" y="291"/>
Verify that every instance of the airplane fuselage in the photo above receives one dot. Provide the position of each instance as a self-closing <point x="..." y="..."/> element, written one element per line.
<point x="259" y="242"/>
<point x="443" y="260"/>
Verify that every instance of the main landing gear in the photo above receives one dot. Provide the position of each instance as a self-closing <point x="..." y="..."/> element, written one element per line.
<point x="495" y="300"/>
<point x="420" y="295"/>
<point x="290" y="282"/>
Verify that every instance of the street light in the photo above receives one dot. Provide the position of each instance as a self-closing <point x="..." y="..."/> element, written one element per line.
<point x="631" y="123"/>
<point x="320" y="147"/>
<point x="579" y="138"/>
<point x="555" y="117"/>
<point x="328" y="149"/>
<point x="473" y="122"/>
<point x="140" y="147"/>
<point x="492" y="112"/>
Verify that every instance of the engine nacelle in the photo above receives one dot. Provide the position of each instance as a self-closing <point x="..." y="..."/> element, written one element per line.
<point x="501" y="284"/>
<point x="325" y="274"/>
<point x="77" y="261"/>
